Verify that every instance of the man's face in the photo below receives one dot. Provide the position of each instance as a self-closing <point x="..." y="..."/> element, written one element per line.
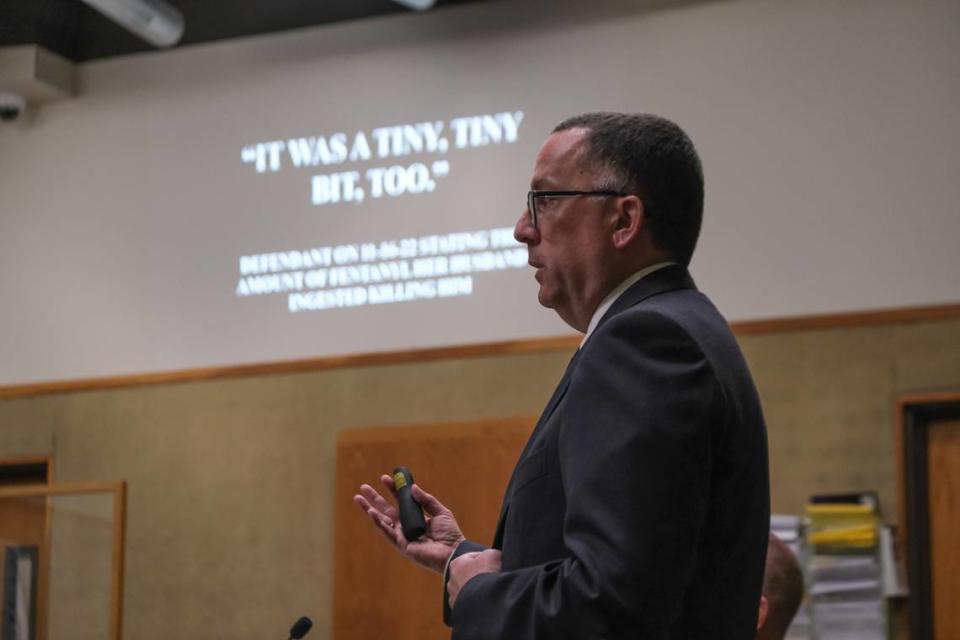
<point x="569" y="248"/>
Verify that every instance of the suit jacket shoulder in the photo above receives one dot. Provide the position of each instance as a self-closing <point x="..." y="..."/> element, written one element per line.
<point x="639" y="507"/>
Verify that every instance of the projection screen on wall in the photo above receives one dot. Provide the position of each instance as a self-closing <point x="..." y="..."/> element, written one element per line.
<point x="352" y="189"/>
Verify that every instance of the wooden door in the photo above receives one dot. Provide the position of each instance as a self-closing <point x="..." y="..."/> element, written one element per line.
<point x="928" y="443"/>
<point x="377" y="592"/>
<point x="943" y="482"/>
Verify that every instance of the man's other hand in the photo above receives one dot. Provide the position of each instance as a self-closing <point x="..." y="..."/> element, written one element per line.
<point x="465" y="567"/>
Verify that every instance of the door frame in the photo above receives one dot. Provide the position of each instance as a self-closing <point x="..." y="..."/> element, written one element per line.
<point x="914" y="413"/>
<point x="118" y="492"/>
<point x="43" y="562"/>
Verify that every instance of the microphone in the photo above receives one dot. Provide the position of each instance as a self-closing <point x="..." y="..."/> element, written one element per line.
<point x="411" y="517"/>
<point x="300" y="628"/>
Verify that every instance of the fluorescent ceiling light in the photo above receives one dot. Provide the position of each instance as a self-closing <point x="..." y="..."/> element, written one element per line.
<point x="153" y="20"/>
<point x="417" y="5"/>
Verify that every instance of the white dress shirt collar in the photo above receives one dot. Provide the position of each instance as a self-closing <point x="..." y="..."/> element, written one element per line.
<point x="616" y="293"/>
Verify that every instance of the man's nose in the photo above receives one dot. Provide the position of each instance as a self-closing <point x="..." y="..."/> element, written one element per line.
<point x="524" y="230"/>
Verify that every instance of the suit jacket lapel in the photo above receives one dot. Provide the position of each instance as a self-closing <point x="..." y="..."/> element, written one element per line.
<point x="554" y="401"/>
<point x="558" y="394"/>
<point x="660" y="281"/>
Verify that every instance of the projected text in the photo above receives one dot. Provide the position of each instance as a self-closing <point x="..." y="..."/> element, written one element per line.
<point x="358" y="274"/>
<point x="381" y="143"/>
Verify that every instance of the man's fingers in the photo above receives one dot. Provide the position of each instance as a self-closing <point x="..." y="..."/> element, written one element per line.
<point x="387" y="482"/>
<point x="431" y="505"/>
<point x="375" y="514"/>
<point x="370" y="493"/>
<point x="382" y="522"/>
<point x="386" y="527"/>
<point x="365" y="505"/>
<point x="462" y="559"/>
<point x="361" y="502"/>
<point x="380" y="503"/>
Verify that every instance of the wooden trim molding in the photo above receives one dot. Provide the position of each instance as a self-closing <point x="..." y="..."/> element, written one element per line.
<point x="118" y="565"/>
<point x="433" y="431"/>
<point x="556" y="343"/>
<point x="903" y="315"/>
<point x="67" y="489"/>
<point x="295" y="366"/>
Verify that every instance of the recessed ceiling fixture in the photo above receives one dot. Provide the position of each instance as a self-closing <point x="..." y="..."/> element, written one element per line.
<point x="417" y="5"/>
<point x="153" y="20"/>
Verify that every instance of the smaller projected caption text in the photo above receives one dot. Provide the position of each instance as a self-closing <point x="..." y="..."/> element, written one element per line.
<point x="354" y="275"/>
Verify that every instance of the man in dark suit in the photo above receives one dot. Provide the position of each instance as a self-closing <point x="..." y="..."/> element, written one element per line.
<point x="640" y="505"/>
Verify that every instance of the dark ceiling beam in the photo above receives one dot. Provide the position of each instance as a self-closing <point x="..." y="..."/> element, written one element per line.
<point x="77" y="32"/>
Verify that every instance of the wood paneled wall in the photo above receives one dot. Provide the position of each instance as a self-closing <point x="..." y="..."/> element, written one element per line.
<point x="232" y="504"/>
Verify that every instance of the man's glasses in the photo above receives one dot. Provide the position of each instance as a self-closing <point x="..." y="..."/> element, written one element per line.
<point x="543" y="198"/>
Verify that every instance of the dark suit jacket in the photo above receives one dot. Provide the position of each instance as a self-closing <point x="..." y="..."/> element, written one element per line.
<point x="640" y="505"/>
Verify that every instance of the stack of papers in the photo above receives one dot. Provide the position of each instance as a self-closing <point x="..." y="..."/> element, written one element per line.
<point x="844" y="571"/>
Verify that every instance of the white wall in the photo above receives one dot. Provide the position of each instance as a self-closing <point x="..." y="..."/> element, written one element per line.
<point x="827" y="131"/>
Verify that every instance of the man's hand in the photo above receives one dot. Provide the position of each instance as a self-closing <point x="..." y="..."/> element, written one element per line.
<point x="469" y="565"/>
<point x="443" y="533"/>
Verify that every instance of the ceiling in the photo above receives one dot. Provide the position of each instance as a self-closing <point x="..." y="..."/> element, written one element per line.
<point x="79" y="33"/>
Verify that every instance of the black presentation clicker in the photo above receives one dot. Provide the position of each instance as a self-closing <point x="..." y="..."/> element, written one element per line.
<point x="411" y="516"/>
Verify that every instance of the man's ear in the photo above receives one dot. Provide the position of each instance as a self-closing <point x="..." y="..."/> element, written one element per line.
<point x="629" y="221"/>
<point x="762" y="615"/>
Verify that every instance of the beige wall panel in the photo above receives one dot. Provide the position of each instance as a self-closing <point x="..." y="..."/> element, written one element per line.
<point x="27" y="429"/>
<point x="927" y="358"/>
<point x="828" y="396"/>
